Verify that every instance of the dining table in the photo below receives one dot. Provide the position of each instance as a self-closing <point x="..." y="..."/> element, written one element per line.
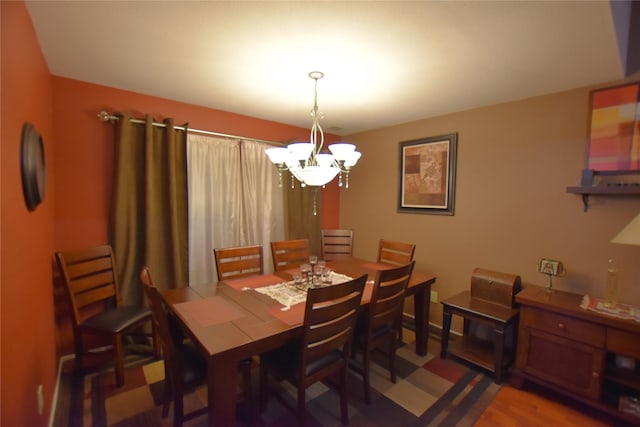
<point x="238" y="319"/>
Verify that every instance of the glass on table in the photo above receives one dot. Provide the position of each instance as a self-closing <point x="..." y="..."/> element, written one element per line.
<point x="313" y="260"/>
<point x="326" y="276"/>
<point x="305" y="269"/>
<point x="297" y="279"/>
<point x="317" y="276"/>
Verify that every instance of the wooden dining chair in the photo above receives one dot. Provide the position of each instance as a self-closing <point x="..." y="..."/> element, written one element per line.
<point x="336" y="243"/>
<point x="395" y="253"/>
<point x="379" y="325"/>
<point x="184" y="366"/>
<point x="288" y="254"/>
<point x="240" y="261"/>
<point x="324" y="350"/>
<point x="91" y="284"/>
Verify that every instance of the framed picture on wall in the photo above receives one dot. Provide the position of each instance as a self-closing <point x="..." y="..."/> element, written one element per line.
<point x="614" y="134"/>
<point x="428" y="175"/>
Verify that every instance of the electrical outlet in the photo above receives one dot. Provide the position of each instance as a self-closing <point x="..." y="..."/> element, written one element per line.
<point x="434" y="296"/>
<point x="40" y="395"/>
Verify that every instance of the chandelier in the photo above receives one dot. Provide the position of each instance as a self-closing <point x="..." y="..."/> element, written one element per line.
<point x="306" y="161"/>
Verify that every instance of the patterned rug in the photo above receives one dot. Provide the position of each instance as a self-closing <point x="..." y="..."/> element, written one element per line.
<point x="429" y="392"/>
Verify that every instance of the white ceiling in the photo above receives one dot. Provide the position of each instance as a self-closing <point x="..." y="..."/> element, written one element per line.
<point x="385" y="62"/>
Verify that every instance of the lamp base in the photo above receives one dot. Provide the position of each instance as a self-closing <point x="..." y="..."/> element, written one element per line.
<point x="611" y="286"/>
<point x="549" y="289"/>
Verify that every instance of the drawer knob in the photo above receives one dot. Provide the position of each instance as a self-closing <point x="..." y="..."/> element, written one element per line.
<point x="561" y="325"/>
<point x="595" y="374"/>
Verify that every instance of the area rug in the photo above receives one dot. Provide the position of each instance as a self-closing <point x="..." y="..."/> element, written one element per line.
<point x="429" y="392"/>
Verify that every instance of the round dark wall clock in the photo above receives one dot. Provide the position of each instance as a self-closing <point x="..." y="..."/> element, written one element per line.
<point x="32" y="164"/>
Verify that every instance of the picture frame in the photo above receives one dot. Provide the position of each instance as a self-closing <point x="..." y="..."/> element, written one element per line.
<point x="428" y="175"/>
<point x="614" y="129"/>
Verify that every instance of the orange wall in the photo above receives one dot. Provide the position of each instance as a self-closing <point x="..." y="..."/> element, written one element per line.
<point x="28" y="356"/>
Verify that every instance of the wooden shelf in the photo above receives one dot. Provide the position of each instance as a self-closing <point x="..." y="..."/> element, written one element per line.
<point x="603" y="190"/>
<point x="625" y="377"/>
<point x="477" y="351"/>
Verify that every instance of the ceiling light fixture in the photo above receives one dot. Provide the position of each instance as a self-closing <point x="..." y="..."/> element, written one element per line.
<point x="306" y="161"/>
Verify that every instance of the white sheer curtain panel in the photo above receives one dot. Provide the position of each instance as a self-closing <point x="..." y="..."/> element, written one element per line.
<point x="234" y="200"/>
<point x="215" y="201"/>
<point x="263" y="200"/>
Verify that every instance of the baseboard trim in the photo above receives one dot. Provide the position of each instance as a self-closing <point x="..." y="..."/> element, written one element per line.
<point x="56" y="390"/>
<point x="409" y="322"/>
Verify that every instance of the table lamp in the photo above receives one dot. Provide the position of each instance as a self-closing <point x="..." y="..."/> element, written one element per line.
<point x="629" y="235"/>
<point x="551" y="268"/>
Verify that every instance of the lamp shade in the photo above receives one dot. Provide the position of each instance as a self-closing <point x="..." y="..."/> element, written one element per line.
<point x="315" y="175"/>
<point x="630" y="234"/>
<point x="277" y="155"/>
<point x="342" y="150"/>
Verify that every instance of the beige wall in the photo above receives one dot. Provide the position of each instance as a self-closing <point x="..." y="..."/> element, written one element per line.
<point x="515" y="161"/>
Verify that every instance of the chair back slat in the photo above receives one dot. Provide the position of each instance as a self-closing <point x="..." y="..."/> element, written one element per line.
<point x="241" y="261"/>
<point x="84" y="255"/>
<point x="336" y="243"/>
<point x="288" y="254"/>
<point x="395" y="253"/>
<point x="88" y="282"/>
<point x="89" y="267"/>
<point x="94" y="295"/>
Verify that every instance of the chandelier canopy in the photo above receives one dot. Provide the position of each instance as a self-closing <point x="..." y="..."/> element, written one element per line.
<point x="306" y="161"/>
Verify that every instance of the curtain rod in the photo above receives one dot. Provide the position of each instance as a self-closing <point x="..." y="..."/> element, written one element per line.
<point x="106" y="117"/>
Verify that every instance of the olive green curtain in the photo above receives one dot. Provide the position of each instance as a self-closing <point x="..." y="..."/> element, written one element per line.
<point x="301" y="223"/>
<point x="148" y="224"/>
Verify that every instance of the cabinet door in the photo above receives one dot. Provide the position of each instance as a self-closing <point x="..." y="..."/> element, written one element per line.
<point x="560" y="361"/>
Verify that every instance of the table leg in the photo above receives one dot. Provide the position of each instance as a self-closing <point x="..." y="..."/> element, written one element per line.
<point x="498" y="352"/>
<point x="446" y="326"/>
<point x="421" y="309"/>
<point x="222" y="374"/>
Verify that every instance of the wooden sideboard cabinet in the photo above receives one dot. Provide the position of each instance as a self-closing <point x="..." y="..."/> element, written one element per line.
<point x="574" y="351"/>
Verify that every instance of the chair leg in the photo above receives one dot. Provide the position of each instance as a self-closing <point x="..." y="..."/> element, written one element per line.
<point x="301" y="404"/>
<point x="119" y="360"/>
<point x="263" y="388"/>
<point x="178" y="404"/>
<point x="157" y="350"/>
<point x="344" y="407"/>
<point x="365" y="375"/>
<point x="246" y="392"/>
<point x="392" y="358"/>
<point x="79" y="349"/>
<point x="168" y="387"/>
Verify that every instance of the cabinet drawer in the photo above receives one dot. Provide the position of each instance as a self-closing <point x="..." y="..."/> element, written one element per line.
<point x="557" y="324"/>
<point x="623" y="343"/>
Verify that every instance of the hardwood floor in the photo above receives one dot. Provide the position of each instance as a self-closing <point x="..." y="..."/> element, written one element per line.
<point x="522" y="408"/>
